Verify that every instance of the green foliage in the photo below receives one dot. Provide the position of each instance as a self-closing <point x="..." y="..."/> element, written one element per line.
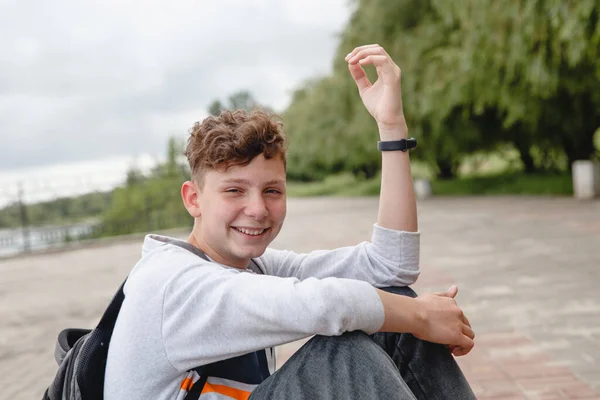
<point x="323" y="145"/>
<point x="134" y="176"/>
<point x="215" y="108"/>
<point x="597" y="144"/>
<point x="240" y="100"/>
<point x="151" y="202"/>
<point x="535" y="64"/>
<point x="152" y="205"/>
<point x="60" y="211"/>
<point x="505" y="183"/>
<point x="477" y="75"/>
<point x="495" y="184"/>
<point x="332" y="185"/>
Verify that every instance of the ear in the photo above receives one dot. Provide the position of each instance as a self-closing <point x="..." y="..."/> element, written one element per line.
<point x="190" y="193"/>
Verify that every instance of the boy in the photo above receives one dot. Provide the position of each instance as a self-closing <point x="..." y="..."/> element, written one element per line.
<point x="223" y="300"/>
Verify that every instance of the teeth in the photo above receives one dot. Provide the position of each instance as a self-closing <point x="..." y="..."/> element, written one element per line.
<point x="251" y="232"/>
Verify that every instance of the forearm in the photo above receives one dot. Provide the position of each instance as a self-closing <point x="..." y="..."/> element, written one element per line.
<point x="434" y="317"/>
<point x="401" y="313"/>
<point x="397" y="204"/>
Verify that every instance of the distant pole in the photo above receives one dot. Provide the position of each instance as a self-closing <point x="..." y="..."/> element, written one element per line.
<point x="24" y="220"/>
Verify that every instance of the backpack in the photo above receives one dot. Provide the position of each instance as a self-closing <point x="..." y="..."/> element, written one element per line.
<point x="81" y="356"/>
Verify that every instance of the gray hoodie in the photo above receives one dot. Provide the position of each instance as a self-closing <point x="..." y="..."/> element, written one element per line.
<point x="181" y="311"/>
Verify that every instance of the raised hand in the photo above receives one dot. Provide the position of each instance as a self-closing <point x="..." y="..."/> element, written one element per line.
<point x="383" y="99"/>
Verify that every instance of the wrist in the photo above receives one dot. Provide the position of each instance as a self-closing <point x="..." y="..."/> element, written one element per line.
<point x="419" y="319"/>
<point x="402" y="314"/>
<point x="393" y="132"/>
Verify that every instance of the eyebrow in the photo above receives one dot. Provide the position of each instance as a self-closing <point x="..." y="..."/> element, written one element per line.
<point x="248" y="183"/>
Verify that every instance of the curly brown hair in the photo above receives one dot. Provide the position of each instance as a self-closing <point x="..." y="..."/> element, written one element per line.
<point x="234" y="138"/>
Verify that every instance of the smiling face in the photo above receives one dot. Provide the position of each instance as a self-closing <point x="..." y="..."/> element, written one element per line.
<point x="238" y="211"/>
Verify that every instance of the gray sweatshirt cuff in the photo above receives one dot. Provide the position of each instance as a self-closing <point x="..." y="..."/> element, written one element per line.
<point x="400" y="246"/>
<point x="369" y="308"/>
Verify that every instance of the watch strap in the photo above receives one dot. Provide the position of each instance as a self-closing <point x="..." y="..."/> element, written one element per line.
<point x="402" y="144"/>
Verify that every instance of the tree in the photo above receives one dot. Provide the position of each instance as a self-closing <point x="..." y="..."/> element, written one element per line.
<point x="535" y="63"/>
<point x="477" y="75"/>
<point x="215" y="108"/>
<point x="411" y="33"/>
<point x="153" y="202"/>
<point x="240" y="100"/>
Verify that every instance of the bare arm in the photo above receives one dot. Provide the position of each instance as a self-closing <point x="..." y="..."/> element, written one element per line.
<point x="383" y="100"/>
<point x="432" y="317"/>
<point x="397" y="204"/>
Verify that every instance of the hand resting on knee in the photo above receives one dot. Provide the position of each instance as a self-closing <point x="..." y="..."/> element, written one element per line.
<point x="434" y="317"/>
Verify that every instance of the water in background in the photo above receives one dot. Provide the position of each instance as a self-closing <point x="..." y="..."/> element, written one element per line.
<point x="45" y="183"/>
<point x="15" y="241"/>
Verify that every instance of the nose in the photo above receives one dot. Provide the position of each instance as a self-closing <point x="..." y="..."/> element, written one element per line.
<point x="257" y="208"/>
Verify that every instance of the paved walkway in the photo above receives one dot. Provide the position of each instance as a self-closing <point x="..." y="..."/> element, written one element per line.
<point x="528" y="271"/>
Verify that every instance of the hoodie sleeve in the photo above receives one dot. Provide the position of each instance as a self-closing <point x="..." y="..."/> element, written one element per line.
<point x="211" y="313"/>
<point x="390" y="259"/>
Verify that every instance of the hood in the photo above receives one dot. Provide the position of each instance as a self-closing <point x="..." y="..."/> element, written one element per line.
<point x="153" y="242"/>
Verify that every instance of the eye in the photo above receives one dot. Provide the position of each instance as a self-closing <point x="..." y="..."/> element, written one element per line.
<point x="233" y="191"/>
<point x="273" y="191"/>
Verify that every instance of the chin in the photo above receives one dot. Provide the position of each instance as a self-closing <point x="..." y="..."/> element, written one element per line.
<point x="253" y="253"/>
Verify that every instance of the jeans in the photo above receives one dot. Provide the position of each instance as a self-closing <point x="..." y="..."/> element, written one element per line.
<point x="358" y="366"/>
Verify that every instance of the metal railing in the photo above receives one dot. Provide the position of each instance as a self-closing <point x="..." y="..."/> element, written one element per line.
<point x="28" y="226"/>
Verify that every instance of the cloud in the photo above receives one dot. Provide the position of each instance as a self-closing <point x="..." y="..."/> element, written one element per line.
<point x="88" y="80"/>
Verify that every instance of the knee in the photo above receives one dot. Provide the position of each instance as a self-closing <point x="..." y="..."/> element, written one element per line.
<point x="350" y="340"/>
<point x="401" y="290"/>
<point x="349" y="344"/>
<point x="353" y="349"/>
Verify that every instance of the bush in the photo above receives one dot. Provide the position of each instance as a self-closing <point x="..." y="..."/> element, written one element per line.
<point x="515" y="183"/>
<point x="506" y="183"/>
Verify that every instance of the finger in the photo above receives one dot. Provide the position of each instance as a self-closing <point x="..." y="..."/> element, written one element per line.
<point x="466" y="343"/>
<point x="360" y="77"/>
<point x="466" y="320"/>
<point x="371" y="51"/>
<point x="468" y="331"/>
<point x="465" y="350"/>
<point x="359" y="48"/>
<point x="386" y="69"/>
<point x="376" y="60"/>
<point x="451" y="292"/>
<point x="459" y="351"/>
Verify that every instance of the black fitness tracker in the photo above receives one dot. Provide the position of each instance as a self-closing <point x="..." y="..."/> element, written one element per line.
<point x="392" y="145"/>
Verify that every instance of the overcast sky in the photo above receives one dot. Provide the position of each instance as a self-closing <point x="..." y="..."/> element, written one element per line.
<point x="89" y="80"/>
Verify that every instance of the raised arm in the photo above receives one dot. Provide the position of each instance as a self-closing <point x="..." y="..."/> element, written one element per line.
<point x="383" y="100"/>
<point x="397" y="205"/>
<point x="392" y="258"/>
